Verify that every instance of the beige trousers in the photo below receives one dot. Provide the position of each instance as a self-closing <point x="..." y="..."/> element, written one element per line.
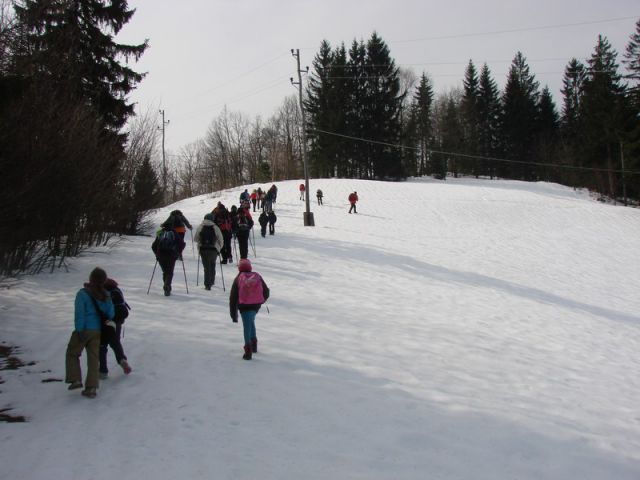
<point x="74" y="350"/>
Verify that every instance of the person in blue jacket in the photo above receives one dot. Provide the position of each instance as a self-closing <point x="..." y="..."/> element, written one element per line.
<point x="93" y="307"/>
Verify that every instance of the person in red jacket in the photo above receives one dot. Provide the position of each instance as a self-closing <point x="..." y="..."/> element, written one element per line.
<point x="353" y="199"/>
<point x="301" y="191"/>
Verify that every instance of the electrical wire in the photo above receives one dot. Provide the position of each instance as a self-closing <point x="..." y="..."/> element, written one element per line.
<point x="476" y="157"/>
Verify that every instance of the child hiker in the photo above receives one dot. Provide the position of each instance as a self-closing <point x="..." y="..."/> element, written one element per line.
<point x="248" y="293"/>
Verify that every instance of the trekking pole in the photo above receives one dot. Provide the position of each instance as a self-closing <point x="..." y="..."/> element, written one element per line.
<point x="152" y="274"/>
<point x="185" y="276"/>
<point x="253" y="245"/>
<point x="235" y="249"/>
<point x="198" y="269"/>
<point x="222" y="274"/>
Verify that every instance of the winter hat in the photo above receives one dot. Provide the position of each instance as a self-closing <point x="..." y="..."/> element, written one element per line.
<point x="208" y="216"/>
<point x="244" y="265"/>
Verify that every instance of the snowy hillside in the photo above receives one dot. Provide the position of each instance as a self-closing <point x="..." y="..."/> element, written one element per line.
<point x="465" y="329"/>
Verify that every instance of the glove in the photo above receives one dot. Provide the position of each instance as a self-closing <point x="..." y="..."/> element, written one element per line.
<point x="235" y="319"/>
<point x="83" y="336"/>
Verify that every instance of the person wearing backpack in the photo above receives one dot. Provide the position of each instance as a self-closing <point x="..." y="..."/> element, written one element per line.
<point x="319" y="196"/>
<point x="210" y="243"/>
<point x="178" y="222"/>
<point x="353" y="199"/>
<point x="167" y="247"/>
<point x="222" y="219"/>
<point x="248" y="292"/>
<point x="110" y="336"/>
<point x="272" y="222"/>
<point x="242" y="228"/>
<point x="263" y="220"/>
<point x="93" y="307"/>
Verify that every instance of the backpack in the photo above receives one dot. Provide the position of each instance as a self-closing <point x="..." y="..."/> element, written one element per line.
<point x="167" y="242"/>
<point x="243" y="222"/>
<point x="121" y="307"/>
<point x="250" y="291"/>
<point x="207" y="237"/>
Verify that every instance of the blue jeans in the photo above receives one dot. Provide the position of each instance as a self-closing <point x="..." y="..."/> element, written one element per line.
<point x="249" y="325"/>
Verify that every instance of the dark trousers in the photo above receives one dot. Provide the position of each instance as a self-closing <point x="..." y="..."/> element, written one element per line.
<point x="353" y="207"/>
<point x="272" y="228"/>
<point x="243" y="243"/>
<point x="263" y="230"/>
<point x="226" y="250"/>
<point x="209" y="258"/>
<point x="167" y="264"/>
<point x="319" y="200"/>
<point x="110" y="337"/>
<point x="254" y="201"/>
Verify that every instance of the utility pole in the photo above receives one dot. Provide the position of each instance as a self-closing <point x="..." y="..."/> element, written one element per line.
<point x="164" y="159"/>
<point x="308" y="215"/>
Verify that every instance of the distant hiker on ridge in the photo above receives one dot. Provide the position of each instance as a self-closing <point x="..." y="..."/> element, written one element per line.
<point x="353" y="199"/>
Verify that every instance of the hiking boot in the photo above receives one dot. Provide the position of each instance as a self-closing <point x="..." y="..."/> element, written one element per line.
<point x="167" y="291"/>
<point x="89" y="392"/>
<point x="254" y="345"/>
<point x="104" y="375"/>
<point x="75" y="385"/>
<point x="125" y="366"/>
<point x="207" y="287"/>
<point x="224" y="262"/>
<point x="247" y="352"/>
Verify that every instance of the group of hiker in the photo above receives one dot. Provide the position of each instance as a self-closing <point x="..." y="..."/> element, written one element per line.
<point x="100" y="308"/>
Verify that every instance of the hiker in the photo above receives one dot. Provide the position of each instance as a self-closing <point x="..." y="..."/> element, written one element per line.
<point x="110" y="336"/>
<point x="242" y="227"/>
<point x="222" y="218"/>
<point x="179" y="222"/>
<point x="245" y="198"/>
<point x="93" y="306"/>
<point x="254" y="198"/>
<point x="248" y="293"/>
<point x="260" y="197"/>
<point x="301" y="187"/>
<point x="263" y="220"/>
<point x="272" y="222"/>
<point x="267" y="204"/>
<point x="168" y="247"/>
<point x="210" y="242"/>
<point x="319" y="196"/>
<point x="353" y="198"/>
<point x="274" y="193"/>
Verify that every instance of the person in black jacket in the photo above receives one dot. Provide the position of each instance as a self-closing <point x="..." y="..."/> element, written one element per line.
<point x="272" y="222"/>
<point x="263" y="219"/>
<point x="248" y="292"/>
<point x="110" y="336"/>
<point x="167" y="253"/>
<point x="242" y="228"/>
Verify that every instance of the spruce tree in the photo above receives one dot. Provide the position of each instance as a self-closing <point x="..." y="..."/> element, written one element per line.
<point x="489" y="114"/>
<point x="632" y="62"/>
<point x="71" y="44"/>
<point x="572" y="86"/>
<point x="421" y="114"/>
<point x="355" y="123"/>
<point x="520" y="111"/>
<point x="470" y="116"/>
<point x="547" y="131"/>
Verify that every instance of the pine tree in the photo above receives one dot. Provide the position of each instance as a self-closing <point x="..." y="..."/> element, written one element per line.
<point x="489" y="114"/>
<point x="603" y="115"/>
<point x="470" y="117"/>
<point x="547" y="130"/>
<point x="632" y="62"/>
<point x="520" y="108"/>
<point x="355" y="124"/>
<point x="421" y="115"/>
<point x="572" y="86"/>
<point x="70" y="44"/>
<point x="382" y="104"/>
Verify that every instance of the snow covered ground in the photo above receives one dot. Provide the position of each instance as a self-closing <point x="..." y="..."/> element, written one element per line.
<point x="467" y="329"/>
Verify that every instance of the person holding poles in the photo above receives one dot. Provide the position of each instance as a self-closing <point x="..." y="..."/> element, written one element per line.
<point x="242" y="228"/>
<point x="167" y="247"/>
<point x="210" y="242"/>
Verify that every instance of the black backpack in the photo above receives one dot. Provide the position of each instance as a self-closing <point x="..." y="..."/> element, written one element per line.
<point x="207" y="237"/>
<point x="168" y="242"/>
<point x="121" y="307"/>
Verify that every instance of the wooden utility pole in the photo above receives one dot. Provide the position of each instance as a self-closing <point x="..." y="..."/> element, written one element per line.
<point x="164" y="159"/>
<point x="308" y="215"/>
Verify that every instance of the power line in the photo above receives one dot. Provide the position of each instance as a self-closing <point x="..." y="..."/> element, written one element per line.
<point x="516" y="30"/>
<point x="477" y="157"/>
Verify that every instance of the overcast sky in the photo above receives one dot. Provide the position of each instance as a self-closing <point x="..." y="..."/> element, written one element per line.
<point x="205" y="54"/>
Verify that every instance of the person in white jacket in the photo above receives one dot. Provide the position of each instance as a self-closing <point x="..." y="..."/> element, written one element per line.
<point x="210" y="242"/>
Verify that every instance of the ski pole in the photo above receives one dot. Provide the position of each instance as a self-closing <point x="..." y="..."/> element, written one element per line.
<point x="152" y="274"/>
<point x="185" y="276"/>
<point x="222" y="275"/>
<point x="253" y="247"/>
